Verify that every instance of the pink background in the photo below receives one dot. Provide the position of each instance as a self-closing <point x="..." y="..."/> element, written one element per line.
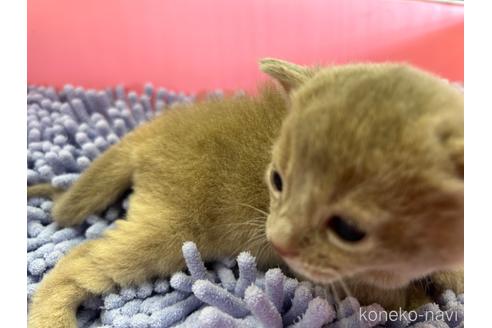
<point x="196" y="45"/>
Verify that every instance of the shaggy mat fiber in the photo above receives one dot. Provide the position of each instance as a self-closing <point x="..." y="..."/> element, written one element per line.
<point x="67" y="129"/>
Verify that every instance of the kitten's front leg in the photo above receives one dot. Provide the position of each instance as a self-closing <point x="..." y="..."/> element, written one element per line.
<point x="444" y="280"/>
<point x="126" y="255"/>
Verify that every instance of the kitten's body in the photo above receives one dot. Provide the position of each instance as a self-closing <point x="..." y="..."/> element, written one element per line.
<point x="197" y="174"/>
<point x="199" y="181"/>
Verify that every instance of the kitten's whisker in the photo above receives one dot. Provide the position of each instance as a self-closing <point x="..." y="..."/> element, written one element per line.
<point x="250" y="222"/>
<point x="264" y="248"/>
<point x="254" y="237"/>
<point x="345" y="288"/>
<point x="252" y="219"/>
<point x="330" y="289"/>
<point x="324" y="289"/>
<point x="256" y="232"/>
<point x="255" y="241"/>
<point x="335" y="293"/>
<point x="253" y="223"/>
<point x="254" y="208"/>
<point x="259" y="253"/>
<point x="325" y="292"/>
<point x="347" y="291"/>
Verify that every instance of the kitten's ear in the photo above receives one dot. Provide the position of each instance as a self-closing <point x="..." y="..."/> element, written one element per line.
<point x="451" y="138"/>
<point x="450" y="133"/>
<point x="456" y="150"/>
<point x="289" y="75"/>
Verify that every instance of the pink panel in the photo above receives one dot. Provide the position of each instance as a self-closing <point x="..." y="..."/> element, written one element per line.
<point x="196" y="45"/>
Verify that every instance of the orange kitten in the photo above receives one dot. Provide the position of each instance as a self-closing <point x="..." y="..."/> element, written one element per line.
<point x="364" y="187"/>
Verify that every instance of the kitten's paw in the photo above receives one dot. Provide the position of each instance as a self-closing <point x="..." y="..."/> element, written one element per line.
<point x="444" y="280"/>
<point x="416" y="296"/>
<point x="46" y="314"/>
<point x="55" y="302"/>
<point x="67" y="212"/>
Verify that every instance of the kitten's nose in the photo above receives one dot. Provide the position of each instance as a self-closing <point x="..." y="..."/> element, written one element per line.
<point x="285" y="252"/>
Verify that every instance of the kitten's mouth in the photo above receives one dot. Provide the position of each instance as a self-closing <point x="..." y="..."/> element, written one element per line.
<point x="314" y="273"/>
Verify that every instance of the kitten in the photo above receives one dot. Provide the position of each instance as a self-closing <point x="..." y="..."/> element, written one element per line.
<point x="363" y="189"/>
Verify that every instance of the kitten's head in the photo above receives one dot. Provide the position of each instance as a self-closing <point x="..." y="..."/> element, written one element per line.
<point x="366" y="176"/>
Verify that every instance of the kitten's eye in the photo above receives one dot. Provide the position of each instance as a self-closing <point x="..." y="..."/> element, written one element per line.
<point x="277" y="180"/>
<point x="344" y="229"/>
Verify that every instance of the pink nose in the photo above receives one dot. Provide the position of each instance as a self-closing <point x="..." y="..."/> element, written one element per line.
<point x="285" y="252"/>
